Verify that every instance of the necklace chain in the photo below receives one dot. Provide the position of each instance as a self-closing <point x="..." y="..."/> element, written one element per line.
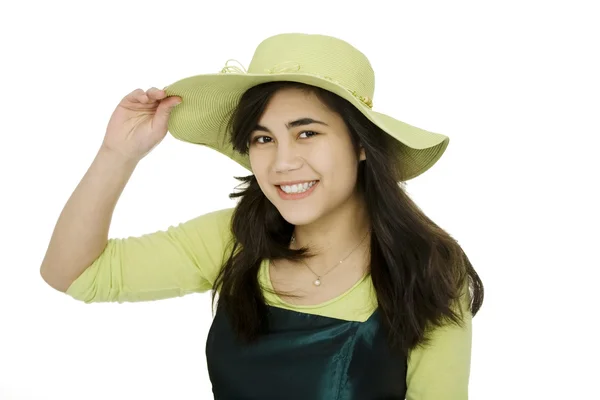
<point x="317" y="282"/>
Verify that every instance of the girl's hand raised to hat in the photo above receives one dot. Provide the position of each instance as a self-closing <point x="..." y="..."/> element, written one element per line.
<point x="139" y="123"/>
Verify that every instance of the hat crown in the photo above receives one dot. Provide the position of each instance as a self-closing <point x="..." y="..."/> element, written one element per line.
<point x="324" y="56"/>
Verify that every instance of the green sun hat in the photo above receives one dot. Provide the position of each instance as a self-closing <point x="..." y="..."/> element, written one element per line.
<point x="318" y="60"/>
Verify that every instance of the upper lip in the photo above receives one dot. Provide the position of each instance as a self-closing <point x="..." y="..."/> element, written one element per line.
<point x="290" y="183"/>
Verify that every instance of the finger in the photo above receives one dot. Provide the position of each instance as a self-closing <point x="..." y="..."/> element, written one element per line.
<point x="143" y="98"/>
<point x="155" y="93"/>
<point x="163" y="112"/>
<point x="134" y="96"/>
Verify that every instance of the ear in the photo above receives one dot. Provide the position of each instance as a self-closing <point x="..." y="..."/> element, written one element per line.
<point x="362" y="155"/>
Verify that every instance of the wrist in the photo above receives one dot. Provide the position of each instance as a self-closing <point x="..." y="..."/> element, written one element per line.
<point x="115" y="157"/>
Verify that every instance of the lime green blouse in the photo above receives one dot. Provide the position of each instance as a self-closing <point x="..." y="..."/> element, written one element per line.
<point x="186" y="258"/>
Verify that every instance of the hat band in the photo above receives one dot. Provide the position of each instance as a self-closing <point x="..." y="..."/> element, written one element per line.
<point x="291" y="67"/>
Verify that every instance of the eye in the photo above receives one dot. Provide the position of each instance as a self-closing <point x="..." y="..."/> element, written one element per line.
<point x="309" y="133"/>
<point x="261" y="139"/>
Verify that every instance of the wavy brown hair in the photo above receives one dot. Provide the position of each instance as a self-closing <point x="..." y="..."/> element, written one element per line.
<point x="418" y="270"/>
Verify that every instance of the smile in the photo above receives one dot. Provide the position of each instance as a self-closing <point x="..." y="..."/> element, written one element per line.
<point x="297" y="191"/>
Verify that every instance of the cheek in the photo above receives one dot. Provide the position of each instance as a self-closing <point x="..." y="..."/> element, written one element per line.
<point x="338" y="164"/>
<point x="257" y="161"/>
<point x="344" y="179"/>
<point x="259" y="167"/>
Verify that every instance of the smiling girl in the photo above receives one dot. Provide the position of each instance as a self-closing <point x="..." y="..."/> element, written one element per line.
<point x="329" y="281"/>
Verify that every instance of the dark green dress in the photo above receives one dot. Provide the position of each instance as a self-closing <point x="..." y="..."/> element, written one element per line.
<point x="305" y="356"/>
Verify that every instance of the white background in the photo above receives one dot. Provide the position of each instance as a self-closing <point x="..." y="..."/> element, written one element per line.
<point x="515" y="84"/>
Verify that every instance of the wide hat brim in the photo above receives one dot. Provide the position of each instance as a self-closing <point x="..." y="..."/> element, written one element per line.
<point x="209" y="100"/>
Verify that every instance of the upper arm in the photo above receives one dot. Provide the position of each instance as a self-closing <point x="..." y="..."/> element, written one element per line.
<point x="441" y="370"/>
<point x="182" y="259"/>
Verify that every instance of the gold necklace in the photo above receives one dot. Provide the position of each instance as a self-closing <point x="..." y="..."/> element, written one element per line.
<point x="317" y="282"/>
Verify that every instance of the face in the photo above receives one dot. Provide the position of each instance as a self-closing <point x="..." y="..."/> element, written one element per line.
<point x="303" y="158"/>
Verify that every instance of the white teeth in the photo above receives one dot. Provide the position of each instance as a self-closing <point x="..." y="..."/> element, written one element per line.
<point x="298" y="188"/>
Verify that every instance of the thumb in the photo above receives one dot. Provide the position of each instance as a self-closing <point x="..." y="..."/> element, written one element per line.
<point x="163" y="111"/>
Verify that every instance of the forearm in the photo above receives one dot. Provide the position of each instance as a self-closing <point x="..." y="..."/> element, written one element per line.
<point x="81" y="232"/>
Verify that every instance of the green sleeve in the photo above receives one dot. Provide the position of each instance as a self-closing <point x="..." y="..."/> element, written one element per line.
<point x="182" y="259"/>
<point x="441" y="370"/>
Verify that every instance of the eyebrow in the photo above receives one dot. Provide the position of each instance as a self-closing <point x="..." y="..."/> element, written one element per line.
<point x="293" y="124"/>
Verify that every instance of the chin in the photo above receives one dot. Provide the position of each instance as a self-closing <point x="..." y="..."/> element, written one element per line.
<point x="297" y="212"/>
<point x="298" y="215"/>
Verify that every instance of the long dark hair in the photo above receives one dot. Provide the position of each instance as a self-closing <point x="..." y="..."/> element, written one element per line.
<point x="419" y="271"/>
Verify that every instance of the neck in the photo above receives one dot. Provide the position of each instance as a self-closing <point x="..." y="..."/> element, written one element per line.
<point x="335" y="235"/>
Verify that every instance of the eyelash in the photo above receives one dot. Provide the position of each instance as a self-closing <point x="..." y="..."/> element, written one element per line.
<point x="255" y="140"/>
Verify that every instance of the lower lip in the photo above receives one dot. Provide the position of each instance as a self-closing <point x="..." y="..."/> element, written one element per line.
<point x="295" y="196"/>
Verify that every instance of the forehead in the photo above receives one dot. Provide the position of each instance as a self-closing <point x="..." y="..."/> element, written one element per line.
<point x="292" y="103"/>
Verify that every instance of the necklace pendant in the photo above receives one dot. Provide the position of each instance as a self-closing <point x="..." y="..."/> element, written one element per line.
<point x="317" y="282"/>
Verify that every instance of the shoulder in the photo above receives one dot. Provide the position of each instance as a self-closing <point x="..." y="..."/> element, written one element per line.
<point x="213" y="222"/>
<point x="441" y="368"/>
<point x="222" y="216"/>
<point x="210" y="228"/>
<point x="207" y="238"/>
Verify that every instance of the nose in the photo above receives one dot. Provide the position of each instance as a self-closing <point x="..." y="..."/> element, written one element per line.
<point x="287" y="158"/>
